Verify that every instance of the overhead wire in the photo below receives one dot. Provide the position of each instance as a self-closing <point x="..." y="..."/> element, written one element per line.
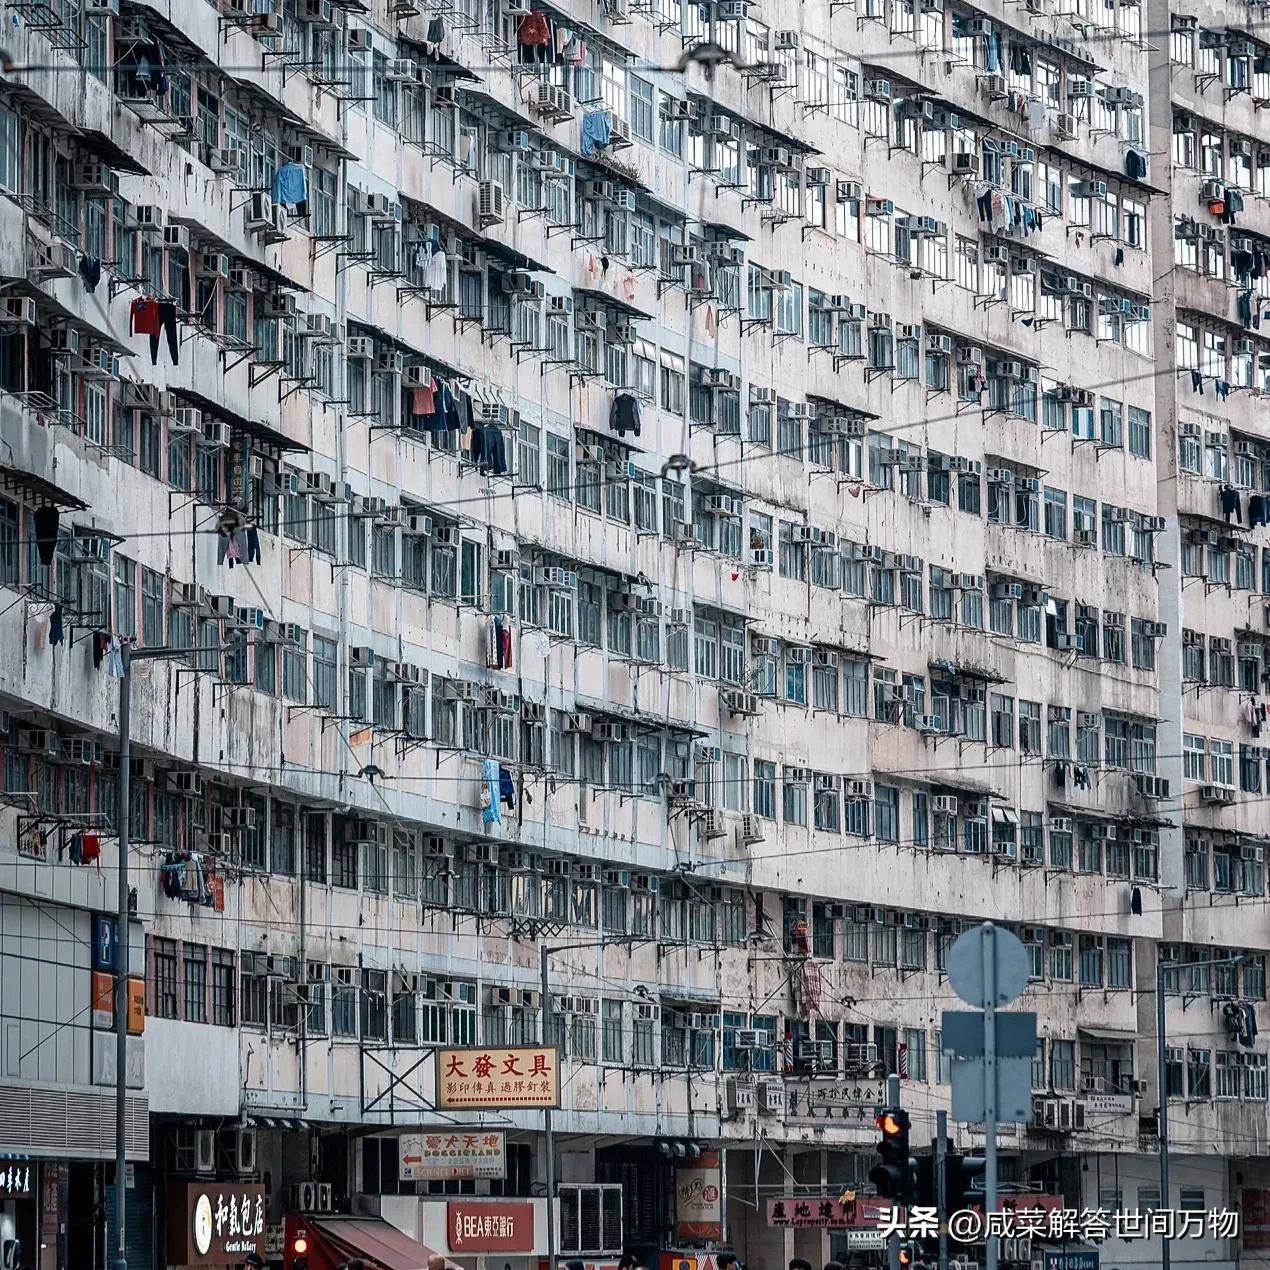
<point x="765" y="455"/>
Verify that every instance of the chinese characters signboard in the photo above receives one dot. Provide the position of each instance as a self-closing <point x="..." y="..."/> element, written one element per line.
<point x="473" y="1229"/>
<point x="17" y="1179"/>
<point x="815" y="1101"/>
<point x="483" y="1077"/>
<point x="821" y="1211"/>
<point x="1086" y="1259"/>
<point x="699" y="1198"/>
<point x="1256" y="1219"/>
<point x="214" y="1223"/>
<point x="451" y="1153"/>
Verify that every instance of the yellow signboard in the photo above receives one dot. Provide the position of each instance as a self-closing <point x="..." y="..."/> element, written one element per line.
<point x="494" y="1077"/>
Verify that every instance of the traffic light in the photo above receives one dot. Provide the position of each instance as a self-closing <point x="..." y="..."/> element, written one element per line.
<point x="896" y="1174"/>
<point x="960" y="1171"/>
<point x="913" y="1256"/>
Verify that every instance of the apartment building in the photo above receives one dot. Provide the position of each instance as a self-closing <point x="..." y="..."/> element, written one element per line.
<point x="734" y="493"/>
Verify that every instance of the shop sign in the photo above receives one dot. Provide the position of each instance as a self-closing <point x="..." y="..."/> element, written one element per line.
<point x="477" y="1228"/>
<point x="865" y="1240"/>
<point x="1107" y="1104"/>
<point x="825" y="1212"/>
<point x="699" y="1198"/>
<point x="451" y="1153"/>
<point x="105" y="942"/>
<point x="849" y="1101"/>
<point x="1255" y="1223"/>
<point x="18" y="1179"/>
<point x="482" y="1077"/>
<point x="213" y="1223"/>
<point x="1086" y="1259"/>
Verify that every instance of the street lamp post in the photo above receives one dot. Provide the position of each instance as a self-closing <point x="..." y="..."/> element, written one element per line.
<point x="127" y="655"/>
<point x="549" y="1138"/>
<point x="1162" y="1091"/>
<point x="123" y="815"/>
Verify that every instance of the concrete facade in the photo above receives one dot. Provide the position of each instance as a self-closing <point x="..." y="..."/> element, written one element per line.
<point x="847" y="561"/>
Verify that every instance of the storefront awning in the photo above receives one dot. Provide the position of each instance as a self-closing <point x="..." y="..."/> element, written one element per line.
<point x="36" y="489"/>
<point x="276" y="1122"/>
<point x="374" y="1241"/>
<point x="1112" y="1035"/>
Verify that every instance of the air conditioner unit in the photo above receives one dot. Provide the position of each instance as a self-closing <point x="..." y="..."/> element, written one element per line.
<point x="490" y="206"/>
<point x="1222" y="795"/>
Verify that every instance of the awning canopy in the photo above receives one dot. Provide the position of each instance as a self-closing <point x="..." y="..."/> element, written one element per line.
<point x="106" y="149"/>
<point x="373" y="1240"/>
<point x="268" y="437"/>
<point x="277" y="1122"/>
<point x="36" y="489"/>
<point x="1005" y="816"/>
<point x="1114" y="1035"/>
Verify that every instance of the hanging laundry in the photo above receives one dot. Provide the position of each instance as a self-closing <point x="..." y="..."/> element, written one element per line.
<point x="1230" y="504"/>
<point x="143" y="316"/>
<point x="491" y="813"/>
<point x="229" y="548"/>
<point x="488" y="449"/>
<point x="624" y="414"/>
<point x="1258" y="510"/>
<point x="291" y="188"/>
<point x="431" y="264"/>
<point x="597" y="132"/>
<point x="533" y="35"/>
<point x="493" y="643"/>
<point x="90" y="272"/>
<point x="1135" y="165"/>
<point x="101" y="645"/>
<point x="46" y="520"/>
<point x="114" y="659"/>
<point x="85" y="847"/>
<point x="166" y="318"/>
<point x="56" y="633"/>
<point x="253" y="545"/>
<point x="994" y="53"/>
<point x="423" y="401"/>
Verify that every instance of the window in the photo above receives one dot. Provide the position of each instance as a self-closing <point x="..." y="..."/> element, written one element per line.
<point x="194" y="958"/>
<point x="224" y="983"/>
<point x="125" y="596"/>
<point x="164" y="1002"/>
<point x="1139" y="433"/>
<point x="765" y="788"/>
